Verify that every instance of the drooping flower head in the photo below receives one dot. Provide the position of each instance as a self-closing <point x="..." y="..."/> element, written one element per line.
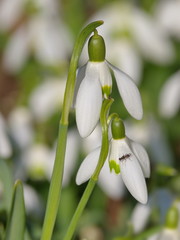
<point x="95" y="83"/>
<point x="127" y="158"/>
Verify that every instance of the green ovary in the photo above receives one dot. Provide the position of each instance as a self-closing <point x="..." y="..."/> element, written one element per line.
<point x="107" y="90"/>
<point x="114" y="166"/>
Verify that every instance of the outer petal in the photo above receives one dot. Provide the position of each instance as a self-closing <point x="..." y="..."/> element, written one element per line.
<point x="111" y="183"/>
<point x="80" y="76"/>
<point x="71" y="155"/>
<point x="142" y="157"/>
<point x="88" y="166"/>
<point x="88" y="103"/>
<point x="129" y="93"/>
<point x="132" y="174"/>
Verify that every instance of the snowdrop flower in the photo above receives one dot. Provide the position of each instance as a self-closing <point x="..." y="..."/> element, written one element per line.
<point x="46" y="98"/>
<point x="125" y="156"/>
<point x="167" y="14"/>
<point x="36" y="35"/>
<point x="36" y="162"/>
<point x="170" y="230"/>
<point x="21" y="129"/>
<point x="169" y="101"/>
<point x="131" y="34"/>
<point x="97" y="79"/>
<point x="5" y="146"/>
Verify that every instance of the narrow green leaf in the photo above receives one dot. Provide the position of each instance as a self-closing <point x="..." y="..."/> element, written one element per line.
<point x="16" y="222"/>
<point x="7" y="185"/>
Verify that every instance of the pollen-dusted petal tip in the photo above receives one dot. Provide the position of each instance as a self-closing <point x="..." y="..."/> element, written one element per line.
<point x="88" y="166"/>
<point x="88" y="104"/>
<point x="142" y="157"/>
<point x="133" y="178"/>
<point x="129" y="93"/>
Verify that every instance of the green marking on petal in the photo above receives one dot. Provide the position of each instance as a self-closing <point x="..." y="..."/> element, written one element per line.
<point x="107" y="90"/>
<point x="114" y="166"/>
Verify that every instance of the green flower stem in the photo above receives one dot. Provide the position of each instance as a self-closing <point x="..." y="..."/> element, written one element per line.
<point x="111" y="117"/>
<point x="56" y="180"/>
<point x="92" y="182"/>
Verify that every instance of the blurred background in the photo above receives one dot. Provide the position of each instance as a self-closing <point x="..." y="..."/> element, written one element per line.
<point x="36" y="41"/>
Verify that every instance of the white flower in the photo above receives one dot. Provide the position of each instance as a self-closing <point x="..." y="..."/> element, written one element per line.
<point x="167" y="14"/>
<point x="5" y="146"/>
<point x="36" y="162"/>
<point x="169" y="96"/>
<point x="21" y="127"/>
<point x="126" y="156"/>
<point x="89" y="96"/>
<point x="38" y="34"/>
<point x="169" y="234"/>
<point x="47" y="98"/>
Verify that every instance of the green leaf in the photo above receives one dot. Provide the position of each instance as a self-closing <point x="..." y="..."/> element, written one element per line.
<point x="7" y="185"/>
<point x="16" y="222"/>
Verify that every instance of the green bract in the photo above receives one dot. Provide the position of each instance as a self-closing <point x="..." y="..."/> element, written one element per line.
<point x="117" y="128"/>
<point x="96" y="48"/>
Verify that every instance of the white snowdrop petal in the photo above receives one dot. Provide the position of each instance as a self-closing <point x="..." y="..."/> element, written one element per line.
<point x="129" y="93"/>
<point x="142" y="157"/>
<point x="111" y="183"/>
<point x="133" y="178"/>
<point x="88" y="166"/>
<point x="169" y="96"/>
<point x="21" y="127"/>
<point x="88" y="104"/>
<point x="16" y="51"/>
<point x="72" y="150"/>
<point x="80" y="76"/>
<point x="5" y="146"/>
<point x="140" y="217"/>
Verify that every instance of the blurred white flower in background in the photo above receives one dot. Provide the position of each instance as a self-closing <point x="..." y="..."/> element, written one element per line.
<point x="10" y="12"/>
<point x="150" y="133"/>
<point x="36" y="162"/>
<point x="169" y="99"/>
<point x="47" y="98"/>
<point x="43" y="34"/>
<point x="140" y="217"/>
<point x="130" y="35"/>
<point x="5" y="145"/>
<point x="21" y="126"/>
<point x="32" y="200"/>
<point x="167" y="15"/>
